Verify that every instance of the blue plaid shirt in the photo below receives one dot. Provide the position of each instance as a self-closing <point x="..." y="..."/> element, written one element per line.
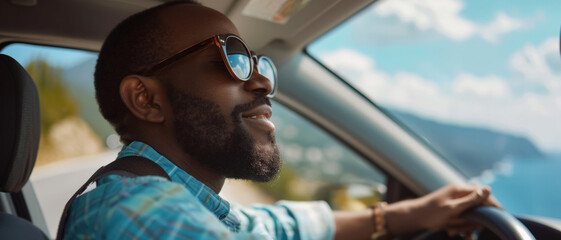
<point x="150" y="207"/>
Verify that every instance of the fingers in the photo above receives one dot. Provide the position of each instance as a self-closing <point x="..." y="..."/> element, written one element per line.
<point x="446" y="204"/>
<point x="462" y="193"/>
<point x="477" y="196"/>
<point x="492" y="202"/>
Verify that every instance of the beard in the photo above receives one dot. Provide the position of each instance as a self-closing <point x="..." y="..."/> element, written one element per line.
<point x="202" y="132"/>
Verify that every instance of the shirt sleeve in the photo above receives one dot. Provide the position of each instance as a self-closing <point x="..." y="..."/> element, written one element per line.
<point x="144" y="208"/>
<point x="289" y="220"/>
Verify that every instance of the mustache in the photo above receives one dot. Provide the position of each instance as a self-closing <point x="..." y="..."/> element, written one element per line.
<point x="257" y="101"/>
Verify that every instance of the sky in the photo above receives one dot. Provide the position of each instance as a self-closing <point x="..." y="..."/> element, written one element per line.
<point x="58" y="57"/>
<point x="492" y="64"/>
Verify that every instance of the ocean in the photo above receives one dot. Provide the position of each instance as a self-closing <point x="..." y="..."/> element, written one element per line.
<point x="527" y="186"/>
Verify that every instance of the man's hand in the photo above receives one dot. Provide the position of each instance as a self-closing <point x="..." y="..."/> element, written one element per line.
<point x="439" y="210"/>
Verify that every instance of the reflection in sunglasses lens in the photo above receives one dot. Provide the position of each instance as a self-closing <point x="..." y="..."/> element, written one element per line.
<point x="240" y="65"/>
<point x="238" y="58"/>
<point x="265" y="68"/>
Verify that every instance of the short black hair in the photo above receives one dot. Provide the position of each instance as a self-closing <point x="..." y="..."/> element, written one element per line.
<point x="134" y="44"/>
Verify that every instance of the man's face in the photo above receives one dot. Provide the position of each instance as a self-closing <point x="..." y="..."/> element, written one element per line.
<point x="220" y="121"/>
<point x="202" y="131"/>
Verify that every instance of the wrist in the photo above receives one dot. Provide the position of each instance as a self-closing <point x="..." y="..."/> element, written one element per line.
<point x="402" y="217"/>
<point x="380" y="224"/>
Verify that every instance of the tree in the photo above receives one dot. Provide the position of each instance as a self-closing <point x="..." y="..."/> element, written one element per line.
<point x="56" y="101"/>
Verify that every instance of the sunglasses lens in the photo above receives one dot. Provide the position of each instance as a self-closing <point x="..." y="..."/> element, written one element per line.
<point x="266" y="68"/>
<point x="238" y="58"/>
<point x="240" y="62"/>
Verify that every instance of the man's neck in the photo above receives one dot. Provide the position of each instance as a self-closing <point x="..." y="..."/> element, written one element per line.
<point x="190" y="165"/>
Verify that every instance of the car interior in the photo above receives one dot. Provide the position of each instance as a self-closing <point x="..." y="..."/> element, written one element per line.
<point x="408" y="166"/>
<point x="20" y="138"/>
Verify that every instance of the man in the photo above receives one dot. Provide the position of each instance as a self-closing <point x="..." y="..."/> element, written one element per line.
<point x="183" y="91"/>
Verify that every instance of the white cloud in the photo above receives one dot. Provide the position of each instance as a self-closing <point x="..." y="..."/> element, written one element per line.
<point x="502" y="24"/>
<point x="444" y="17"/>
<point x="399" y="90"/>
<point x="359" y="69"/>
<point x="491" y="86"/>
<point x="346" y="58"/>
<point x="539" y="64"/>
<point x="537" y="104"/>
<point x="440" y="15"/>
<point x="487" y="101"/>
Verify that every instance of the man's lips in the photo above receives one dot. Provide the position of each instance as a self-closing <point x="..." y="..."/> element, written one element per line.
<point x="261" y="112"/>
<point x="259" y="117"/>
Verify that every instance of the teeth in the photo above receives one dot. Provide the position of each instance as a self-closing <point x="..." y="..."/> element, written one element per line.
<point x="257" y="117"/>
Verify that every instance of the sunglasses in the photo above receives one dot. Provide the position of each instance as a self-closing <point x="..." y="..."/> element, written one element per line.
<point x="236" y="56"/>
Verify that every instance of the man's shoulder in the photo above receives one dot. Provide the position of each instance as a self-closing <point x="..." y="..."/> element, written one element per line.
<point x="139" y="194"/>
<point x="121" y="188"/>
<point x="118" y="201"/>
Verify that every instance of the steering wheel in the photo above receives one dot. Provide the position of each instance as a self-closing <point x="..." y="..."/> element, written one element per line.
<point x="501" y="223"/>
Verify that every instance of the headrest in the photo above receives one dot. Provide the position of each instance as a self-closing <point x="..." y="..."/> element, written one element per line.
<point x="20" y="125"/>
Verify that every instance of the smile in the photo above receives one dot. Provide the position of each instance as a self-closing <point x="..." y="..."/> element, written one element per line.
<point x="260" y="117"/>
<point x="261" y="112"/>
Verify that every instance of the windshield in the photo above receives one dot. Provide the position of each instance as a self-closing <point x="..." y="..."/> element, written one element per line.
<point x="478" y="81"/>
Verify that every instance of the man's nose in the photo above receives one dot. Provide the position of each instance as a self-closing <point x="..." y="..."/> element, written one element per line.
<point x="258" y="84"/>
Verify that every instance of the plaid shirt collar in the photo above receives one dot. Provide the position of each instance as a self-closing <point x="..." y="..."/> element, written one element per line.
<point x="212" y="201"/>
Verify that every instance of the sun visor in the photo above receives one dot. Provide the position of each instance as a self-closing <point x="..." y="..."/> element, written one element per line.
<point x="277" y="11"/>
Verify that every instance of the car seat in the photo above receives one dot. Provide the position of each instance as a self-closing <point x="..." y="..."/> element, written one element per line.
<point x="20" y="129"/>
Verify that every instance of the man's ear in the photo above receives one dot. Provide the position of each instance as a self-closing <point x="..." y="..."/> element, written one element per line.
<point x="143" y="96"/>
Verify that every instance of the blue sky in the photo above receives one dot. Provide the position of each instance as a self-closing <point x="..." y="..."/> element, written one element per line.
<point x="60" y="57"/>
<point x="543" y="21"/>
<point x="493" y="64"/>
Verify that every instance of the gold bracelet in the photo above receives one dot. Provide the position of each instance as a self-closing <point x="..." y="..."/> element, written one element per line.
<point x="380" y="225"/>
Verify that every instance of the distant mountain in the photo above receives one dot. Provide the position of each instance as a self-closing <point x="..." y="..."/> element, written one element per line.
<point x="471" y="148"/>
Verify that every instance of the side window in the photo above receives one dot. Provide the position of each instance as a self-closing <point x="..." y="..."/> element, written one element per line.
<point x="75" y="138"/>
<point x="315" y="167"/>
